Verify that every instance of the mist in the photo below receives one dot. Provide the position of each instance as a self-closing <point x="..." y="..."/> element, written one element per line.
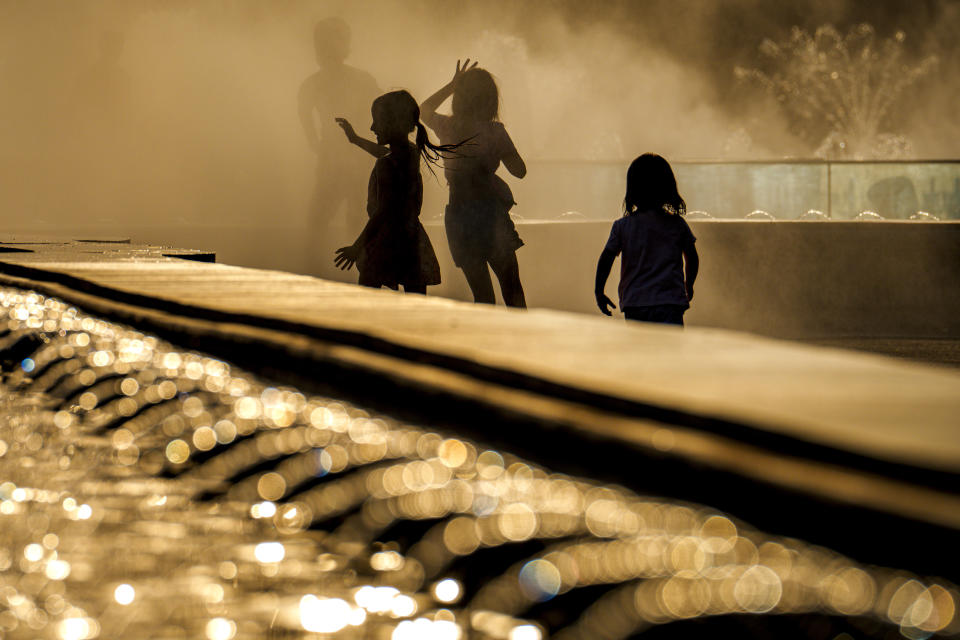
<point x="177" y="115"/>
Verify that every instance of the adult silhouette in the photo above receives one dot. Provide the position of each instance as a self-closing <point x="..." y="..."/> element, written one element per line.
<point x="336" y="89"/>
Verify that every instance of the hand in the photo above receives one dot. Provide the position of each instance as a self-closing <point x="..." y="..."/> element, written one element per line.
<point x="604" y="302"/>
<point x="347" y="128"/>
<point x="347" y="257"/>
<point x="463" y="69"/>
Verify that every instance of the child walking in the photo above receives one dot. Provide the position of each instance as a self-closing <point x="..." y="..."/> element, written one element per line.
<point x="659" y="261"/>
<point x="393" y="249"/>
<point x="478" y="225"/>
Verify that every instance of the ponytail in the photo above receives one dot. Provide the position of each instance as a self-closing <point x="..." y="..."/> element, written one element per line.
<point x="423" y="140"/>
<point x="404" y="109"/>
<point x="432" y="153"/>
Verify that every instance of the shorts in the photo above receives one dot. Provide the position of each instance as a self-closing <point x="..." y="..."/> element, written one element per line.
<point x="479" y="231"/>
<point x="662" y="313"/>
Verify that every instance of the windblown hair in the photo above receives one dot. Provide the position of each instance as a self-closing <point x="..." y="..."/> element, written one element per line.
<point x="651" y="186"/>
<point x="475" y="96"/>
<point x="400" y="108"/>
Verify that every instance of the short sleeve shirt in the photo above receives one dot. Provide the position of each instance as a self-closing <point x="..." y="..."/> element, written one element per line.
<point x="651" y="245"/>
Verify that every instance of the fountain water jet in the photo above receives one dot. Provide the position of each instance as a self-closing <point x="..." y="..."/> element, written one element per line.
<point x="840" y="90"/>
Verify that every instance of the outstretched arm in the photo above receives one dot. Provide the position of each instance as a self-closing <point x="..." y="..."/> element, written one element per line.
<point x="691" y="264"/>
<point x="371" y="147"/>
<point x="603" y="272"/>
<point x="428" y="108"/>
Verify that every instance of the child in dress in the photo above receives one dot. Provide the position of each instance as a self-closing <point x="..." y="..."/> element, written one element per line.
<point x="659" y="261"/>
<point x="478" y="225"/>
<point x="393" y="249"/>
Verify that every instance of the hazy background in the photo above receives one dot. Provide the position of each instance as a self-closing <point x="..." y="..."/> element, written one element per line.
<point x="175" y="121"/>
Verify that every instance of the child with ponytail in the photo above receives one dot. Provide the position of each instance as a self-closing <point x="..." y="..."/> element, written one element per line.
<point x="393" y="249"/>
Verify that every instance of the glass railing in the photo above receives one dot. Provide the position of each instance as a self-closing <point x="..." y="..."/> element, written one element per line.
<point x="786" y="190"/>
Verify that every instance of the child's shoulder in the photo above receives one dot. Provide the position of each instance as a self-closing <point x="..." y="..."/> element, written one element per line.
<point x="650" y="218"/>
<point x="495" y="127"/>
<point x="639" y="217"/>
<point x="680" y="221"/>
<point x="486" y="128"/>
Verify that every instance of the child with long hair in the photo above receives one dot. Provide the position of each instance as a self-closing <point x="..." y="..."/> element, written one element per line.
<point x="659" y="261"/>
<point x="393" y="249"/>
<point x="478" y="225"/>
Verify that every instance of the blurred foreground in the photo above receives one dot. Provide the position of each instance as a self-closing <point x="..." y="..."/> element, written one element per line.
<point x="148" y="492"/>
<point x="407" y="467"/>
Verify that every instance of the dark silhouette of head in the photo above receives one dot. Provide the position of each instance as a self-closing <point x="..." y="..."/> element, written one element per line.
<point x="651" y="186"/>
<point x="476" y="97"/>
<point x="331" y="40"/>
<point x="395" y="115"/>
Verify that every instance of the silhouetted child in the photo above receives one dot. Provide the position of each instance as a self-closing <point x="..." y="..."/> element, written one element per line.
<point x="659" y="262"/>
<point x="393" y="248"/>
<point x="478" y="225"/>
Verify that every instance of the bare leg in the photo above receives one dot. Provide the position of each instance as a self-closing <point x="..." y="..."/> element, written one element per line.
<point x="478" y="277"/>
<point x="508" y="273"/>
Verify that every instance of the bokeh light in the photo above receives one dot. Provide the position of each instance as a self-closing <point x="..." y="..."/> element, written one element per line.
<point x="447" y="591"/>
<point x="124" y="594"/>
<point x="259" y="509"/>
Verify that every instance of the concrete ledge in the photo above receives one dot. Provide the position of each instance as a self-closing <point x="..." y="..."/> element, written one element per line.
<point x="733" y="376"/>
<point x="792" y="279"/>
<point x="815" y="423"/>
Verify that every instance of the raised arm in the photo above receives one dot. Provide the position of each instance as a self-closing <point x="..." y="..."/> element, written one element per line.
<point x="371" y="147"/>
<point x="428" y="108"/>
